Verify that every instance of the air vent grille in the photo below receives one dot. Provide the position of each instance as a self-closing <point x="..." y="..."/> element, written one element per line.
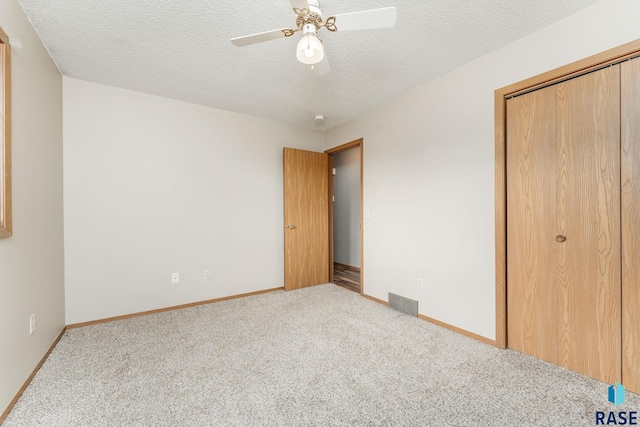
<point x="403" y="304"/>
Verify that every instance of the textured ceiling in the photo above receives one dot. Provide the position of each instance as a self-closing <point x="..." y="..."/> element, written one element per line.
<point x="180" y="49"/>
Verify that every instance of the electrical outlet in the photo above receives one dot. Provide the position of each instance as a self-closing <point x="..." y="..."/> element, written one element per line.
<point x="420" y="284"/>
<point x="175" y="278"/>
<point x="32" y="324"/>
<point x="207" y="275"/>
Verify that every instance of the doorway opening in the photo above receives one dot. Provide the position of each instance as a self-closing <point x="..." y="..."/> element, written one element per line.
<point x="345" y="215"/>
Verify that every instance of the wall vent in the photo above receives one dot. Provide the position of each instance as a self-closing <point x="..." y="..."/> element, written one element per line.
<point x="403" y="304"/>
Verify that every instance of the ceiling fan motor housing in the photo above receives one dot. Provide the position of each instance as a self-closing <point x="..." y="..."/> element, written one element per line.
<point x="314" y="7"/>
<point x="312" y="15"/>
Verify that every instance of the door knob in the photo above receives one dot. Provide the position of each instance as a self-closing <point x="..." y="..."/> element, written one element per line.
<point x="289" y="226"/>
<point x="560" y="238"/>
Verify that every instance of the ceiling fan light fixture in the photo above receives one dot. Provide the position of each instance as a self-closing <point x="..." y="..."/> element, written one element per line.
<point x="309" y="50"/>
<point x="309" y="20"/>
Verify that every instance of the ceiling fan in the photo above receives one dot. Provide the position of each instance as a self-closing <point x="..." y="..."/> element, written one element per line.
<point x="309" y="20"/>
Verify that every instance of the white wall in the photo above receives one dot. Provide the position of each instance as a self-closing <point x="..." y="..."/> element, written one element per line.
<point x="429" y="169"/>
<point x="346" y="207"/>
<point x="154" y="186"/>
<point x="31" y="265"/>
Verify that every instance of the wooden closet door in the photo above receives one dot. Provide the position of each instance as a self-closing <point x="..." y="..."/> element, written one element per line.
<point x="563" y="227"/>
<point x="588" y="214"/>
<point x="630" y="180"/>
<point x="532" y="300"/>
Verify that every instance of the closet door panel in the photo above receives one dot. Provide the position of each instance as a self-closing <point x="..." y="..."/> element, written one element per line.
<point x="531" y="261"/>
<point x="630" y="182"/>
<point x="588" y="215"/>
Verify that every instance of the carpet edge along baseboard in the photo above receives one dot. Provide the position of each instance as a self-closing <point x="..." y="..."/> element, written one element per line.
<point x="452" y="328"/>
<point x="30" y="377"/>
<point x="193" y="304"/>
<point x="173" y="307"/>
<point x="13" y="401"/>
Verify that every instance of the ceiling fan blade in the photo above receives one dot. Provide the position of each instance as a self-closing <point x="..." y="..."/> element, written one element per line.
<point x="322" y="68"/>
<point x="299" y="4"/>
<point x="367" y="19"/>
<point x="259" y="37"/>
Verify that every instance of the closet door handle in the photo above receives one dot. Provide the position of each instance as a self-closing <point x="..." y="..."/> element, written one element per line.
<point x="560" y="238"/>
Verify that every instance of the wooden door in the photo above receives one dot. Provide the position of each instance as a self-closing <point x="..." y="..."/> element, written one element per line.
<point x="588" y="274"/>
<point x="630" y="181"/>
<point x="563" y="224"/>
<point x="306" y="218"/>
<point x="531" y="224"/>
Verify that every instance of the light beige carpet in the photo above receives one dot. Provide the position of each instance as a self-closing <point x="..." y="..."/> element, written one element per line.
<point x="321" y="356"/>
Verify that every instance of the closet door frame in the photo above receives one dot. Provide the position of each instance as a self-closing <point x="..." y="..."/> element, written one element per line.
<point x="592" y="63"/>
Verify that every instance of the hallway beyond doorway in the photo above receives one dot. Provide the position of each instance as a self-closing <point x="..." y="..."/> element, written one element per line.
<point x="346" y="276"/>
